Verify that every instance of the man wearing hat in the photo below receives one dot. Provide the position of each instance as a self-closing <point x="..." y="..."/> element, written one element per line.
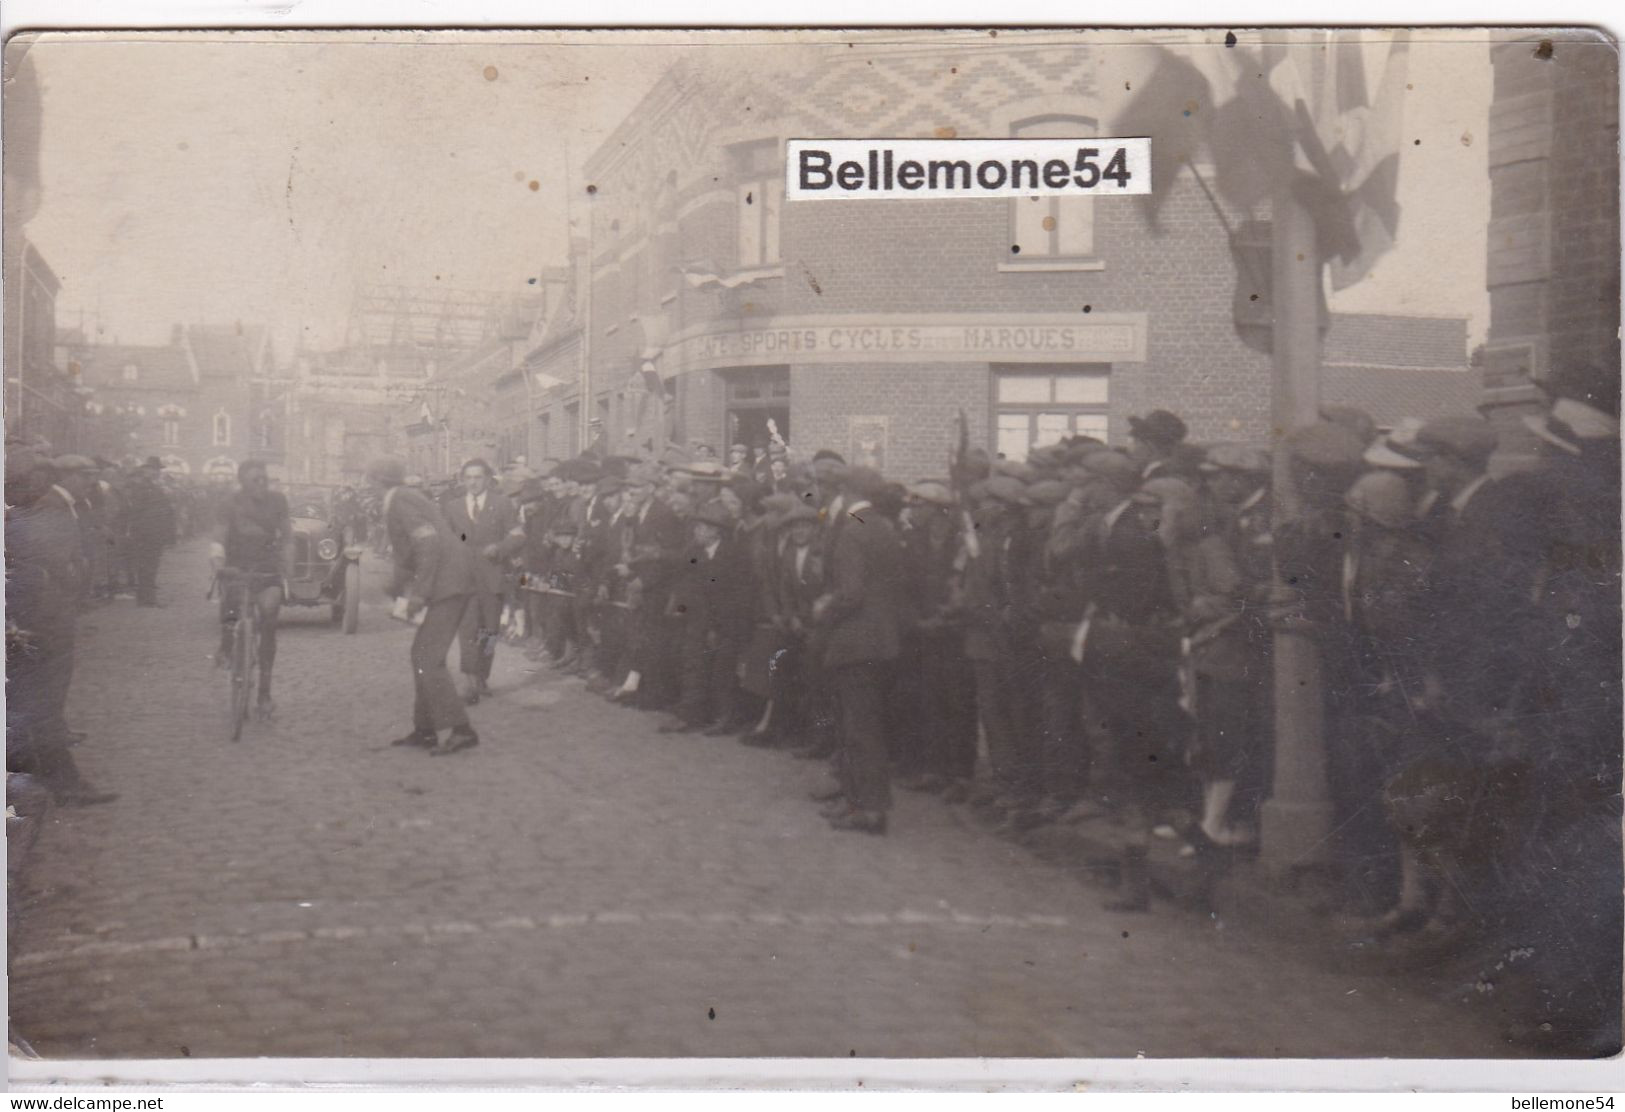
<point x="653" y="543"/>
<point x="1128" y="645"/>
<point x="432" y="574"/>
<point x="1482" y="576"/>
<point x="44" y="589"/>
<point x="711" y="599"/>
<point x="991" y="595"/>
<point x="149" y="528"/>
<point x="486" y="522"/>
<point x="796" y="583"/>
<point x="1157" y="440"/>
<point x="601" y="604"/>
<point x="941" y="717"/>
<point x="1231" y="653"/>
<point x="859" y="616"/>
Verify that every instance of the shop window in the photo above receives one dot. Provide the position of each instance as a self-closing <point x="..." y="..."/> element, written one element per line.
<point x="1038" y="405"/>
<point x="1053" y="227"/>
<point x="759" y="197"/>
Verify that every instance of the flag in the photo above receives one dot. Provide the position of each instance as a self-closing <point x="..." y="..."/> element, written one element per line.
<point x="1175" y="107"/>
<point x="1300" y="111"/>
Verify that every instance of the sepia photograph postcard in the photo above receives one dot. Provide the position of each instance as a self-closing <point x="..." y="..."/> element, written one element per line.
<point x="820" y="544"/>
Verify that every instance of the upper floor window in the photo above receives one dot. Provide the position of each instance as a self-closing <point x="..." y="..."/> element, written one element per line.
<point x="1053" y="227"/>
<point x="222" y="428"/>
<point x="172" y="432"/>
<point x="759" y="197"/>
<point x="131" y="372"/>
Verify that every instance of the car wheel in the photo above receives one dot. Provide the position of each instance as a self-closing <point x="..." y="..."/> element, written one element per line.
<point x="352" y="598"/>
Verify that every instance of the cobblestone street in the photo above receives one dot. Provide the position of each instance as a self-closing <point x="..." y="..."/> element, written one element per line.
<point x="577" y="886"/>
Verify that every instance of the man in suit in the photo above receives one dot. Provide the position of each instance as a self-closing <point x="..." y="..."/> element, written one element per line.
<point x="432" y="573"/>
<point x="653" y="538"/>
<point x="485" y="521"/>
<point x="1128" y="644"/>
<point x="150" y="523"/>
<point x="861" y="616"/>
<point x="795" y="582"/>
<point x="1482" y="579"/>
<point x="713" y="599"/>
<point x="45" y="586"/>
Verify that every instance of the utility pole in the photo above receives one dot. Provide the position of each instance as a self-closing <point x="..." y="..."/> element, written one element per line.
<point x="1296" y="819"/>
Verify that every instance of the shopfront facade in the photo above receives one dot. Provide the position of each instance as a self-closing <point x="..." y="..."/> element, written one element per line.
<point x="869" y="327"/>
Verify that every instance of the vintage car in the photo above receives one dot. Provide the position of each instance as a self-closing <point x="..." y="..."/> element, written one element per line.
<point x="326" y="561"/>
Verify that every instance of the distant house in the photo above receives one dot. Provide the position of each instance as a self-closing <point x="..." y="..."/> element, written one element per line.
<point x="201" y="403"/>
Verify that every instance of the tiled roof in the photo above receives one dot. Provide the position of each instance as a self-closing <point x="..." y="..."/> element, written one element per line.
<point x="1389" y="393"/>
<point x="1389" y="340"/>
<point x="1396" y="366"/>
<point x="157" y="368"/>
<point x="231" y="351"/>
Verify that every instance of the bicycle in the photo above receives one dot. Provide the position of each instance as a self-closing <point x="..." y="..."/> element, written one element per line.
<point x="243" y="673"/>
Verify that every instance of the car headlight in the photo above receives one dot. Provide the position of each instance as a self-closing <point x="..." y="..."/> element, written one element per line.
<point x="327" y="549"/>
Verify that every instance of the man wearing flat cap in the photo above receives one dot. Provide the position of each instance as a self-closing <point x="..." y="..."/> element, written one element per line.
<point x="1482" y="577"/>
<point x="1128" y="645"/>
<point x="859" y="616"/>
<point x="793" y="583"/>
<point x="991" y="596"/>
<point x="432" y="574"/>
<point x="935" y="683"/>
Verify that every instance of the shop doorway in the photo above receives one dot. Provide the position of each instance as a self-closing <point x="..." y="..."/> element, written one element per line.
<point x="757" y="404"/>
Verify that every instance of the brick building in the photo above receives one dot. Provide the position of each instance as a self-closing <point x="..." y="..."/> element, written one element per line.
<point x="867" y="326"/>
<point x="203" y="403"/>
<point x="1553" y="244"/>
<point x="40" y="400"/>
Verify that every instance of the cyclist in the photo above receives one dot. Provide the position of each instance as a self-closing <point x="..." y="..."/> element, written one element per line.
<point x="255" y="532"/>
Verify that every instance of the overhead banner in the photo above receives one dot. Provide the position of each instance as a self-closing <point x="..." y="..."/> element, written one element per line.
<point x="877" y="169"/>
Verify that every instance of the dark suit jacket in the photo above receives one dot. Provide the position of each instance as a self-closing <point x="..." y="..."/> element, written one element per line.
<point x="150" y="516"/>
<point x="44" y="564"/>
<point x="715" y="591"/>
<point x="865" y="610"/>
<point x="498" y="524"/>
<point x="430" y="562"/>
<point x="1479" y="598"/>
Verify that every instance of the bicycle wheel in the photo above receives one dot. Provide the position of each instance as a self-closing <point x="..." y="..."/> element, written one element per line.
<point x="242" y="666"/>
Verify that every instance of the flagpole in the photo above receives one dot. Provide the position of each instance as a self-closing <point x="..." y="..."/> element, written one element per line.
<point x="1297" y="818"/>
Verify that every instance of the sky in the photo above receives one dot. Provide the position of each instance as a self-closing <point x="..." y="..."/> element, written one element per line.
<point x="263" y="179"/>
